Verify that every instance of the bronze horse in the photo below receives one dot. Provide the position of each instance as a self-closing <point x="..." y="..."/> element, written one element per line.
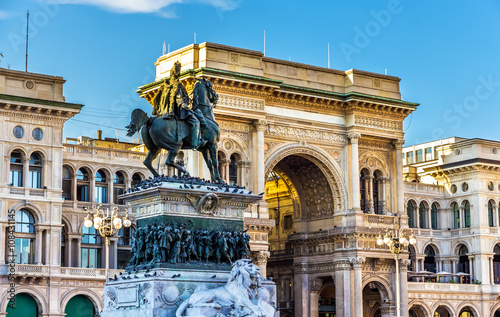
<point x="173" y="135"/>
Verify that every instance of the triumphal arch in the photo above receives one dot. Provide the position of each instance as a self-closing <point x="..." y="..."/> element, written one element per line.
<point x="324" y="147"/>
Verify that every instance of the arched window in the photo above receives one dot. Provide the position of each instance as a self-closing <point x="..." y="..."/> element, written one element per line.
<point x="91" y="248"/>
<point x="456" y="216"/>
<point x="234" y="159"/>
<point x="16" y="169"/>
<point x="125" y="236"/>
<point x="412" y="257"/>
<point x="410" y="213"/>
<point x="35" y="171"/>
<point x="82" y="185"/>
<point x="378" y="201"/>
<point x="136" y="179"/>
<point x="467" y="214"/>
<point x="463" y="264"/>
<point x="118" y="187"/>
<point x="422" y="219"/>
<point x="430" y="259"/>
<point x="496" y="264"/>
<point x="24" y="249"/>
<point x="101" y="187"/>
<point x="67" y="183"/>
<point x="466" y="312"/>
<point x="434" y="216"/>
<point x="490" y="213"/>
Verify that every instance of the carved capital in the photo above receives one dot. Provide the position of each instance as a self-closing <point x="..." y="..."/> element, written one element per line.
<point x="354" y="137"/>
<point x="404" y="264"/>
<point x="261" y="257"/>
<point x="341" y="265"/>
<point x="398" y="144"/>
<point x="315" y="284"/>
<point x="357" y="263"/>
<point x="260" y="125"/>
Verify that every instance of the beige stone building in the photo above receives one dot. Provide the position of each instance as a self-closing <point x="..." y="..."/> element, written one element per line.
<point x="324" y="146"/>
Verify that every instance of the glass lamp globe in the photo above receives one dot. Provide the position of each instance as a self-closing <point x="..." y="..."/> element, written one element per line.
<point x="87" y="223"/>
<point x="127" y="223"/>
<point x="118" y="225"/>
<point x="117" y="222"/>
<point x="402" y="240"/>
<point x="386" y="240"/>
<point x="96" y="226"/>
<point x="413" y="240"/>
<point x="97" y="221"/>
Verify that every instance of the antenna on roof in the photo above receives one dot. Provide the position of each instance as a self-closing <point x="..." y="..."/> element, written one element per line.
<point x="1" y="55"/>
<point x="169" y="47"/>
<point x="164" y="48"/>
<point x="328" y="55"/>
<point x="194" y="37"/>
<point x="27" y="25"/>
<point x="264" y="42"/>
<point x="386" y="71"/>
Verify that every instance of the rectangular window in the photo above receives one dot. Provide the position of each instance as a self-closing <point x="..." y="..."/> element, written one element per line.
<point x="24" y="251"/>
<point x="66" y="187"/>
<point x="428" y="154"/>
<point x="419" y="156"/>
<point x="456" y="216"/>
<point x="100" y="195"/>
<point x="16" y="178"/>
<point x="82" y="192"/>
<point x="436" y="153"/>
<point x="404" y="158"/>
<point x="117" y="191"/>
<point x="35" y="179"/>
<point x="91" y="258"/>
<point x="409" y="158"/>
<point x="288" y="222"/>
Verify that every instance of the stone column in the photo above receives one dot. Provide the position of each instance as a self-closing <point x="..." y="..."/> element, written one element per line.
<point x="3" y="237"/>
<point x="343" y="295"/>
<point x="383" y="183"/>
<point x="78" y="252"/>
<point x="369" y="182"/>
<point x="354" y="138"/>
<point x="109" y="194"/>
<point x="38" y="245"/>
<point x="357" y="264"/>
<point x="261" y="259"/>
<point x="472" y="268"/>
<point x="398" y="145"/>
<point x="301" y="294"/>
<point x="74" y="186"/>
<point x="223" y="167"/>
<point x="260" y="126"/>
<point x="315" y="285"/>
<point x="69" y="246"/>
<point x="403" y="280"/>
<point x="26" y="172"/>
<point x="240" y="172"/>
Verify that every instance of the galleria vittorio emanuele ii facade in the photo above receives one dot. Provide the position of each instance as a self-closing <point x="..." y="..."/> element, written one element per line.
<point x="326" y="149"/>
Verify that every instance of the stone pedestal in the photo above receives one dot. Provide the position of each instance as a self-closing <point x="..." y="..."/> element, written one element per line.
<point x="158" y="288"/>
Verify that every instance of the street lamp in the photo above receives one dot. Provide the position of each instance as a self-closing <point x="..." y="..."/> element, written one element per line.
<point x="397" y="240"/>
<point x="107" y="224"/>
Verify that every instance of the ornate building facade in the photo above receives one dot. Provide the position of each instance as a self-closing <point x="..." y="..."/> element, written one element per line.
<point x="324" y="147"/>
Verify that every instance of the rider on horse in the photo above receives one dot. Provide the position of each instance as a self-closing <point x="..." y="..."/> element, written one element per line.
<point x="173" y="101"/>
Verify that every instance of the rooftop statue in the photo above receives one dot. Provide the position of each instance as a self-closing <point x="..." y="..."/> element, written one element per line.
<point x="179" y="122"/>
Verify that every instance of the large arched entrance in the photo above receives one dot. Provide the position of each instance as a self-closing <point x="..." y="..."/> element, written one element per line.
<point x="23" y="305"/>
<point x="497" y="313"/>
<point x="80" y="306"/>
<point x="417" y="311"/>
<point x="326" y="302"/>
<point x="375" y="300"/>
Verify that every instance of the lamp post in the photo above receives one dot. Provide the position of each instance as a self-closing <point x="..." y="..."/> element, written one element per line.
<point x="107" y="223"/>
<point x="397" y="240"/>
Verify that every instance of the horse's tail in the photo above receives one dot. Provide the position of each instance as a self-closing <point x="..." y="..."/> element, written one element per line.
<point x="138" y="118"/>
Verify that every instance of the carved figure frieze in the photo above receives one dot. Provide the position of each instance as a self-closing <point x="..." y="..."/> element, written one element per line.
<point x="305" y="134"/>
<point x="205" y="204"/>
<point x="241" y="103"/>
<point x="378" y="123"/>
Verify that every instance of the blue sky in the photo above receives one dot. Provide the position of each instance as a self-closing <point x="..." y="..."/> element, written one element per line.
<point x="447" y="53"/>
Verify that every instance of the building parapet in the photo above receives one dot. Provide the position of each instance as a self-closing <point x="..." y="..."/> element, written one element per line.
<point x="73" y="151"/>
<point x="32" y="270"/>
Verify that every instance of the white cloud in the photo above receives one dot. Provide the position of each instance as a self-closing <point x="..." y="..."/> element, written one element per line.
<point x="148" y="6"/>
<point x="4" y="15"/>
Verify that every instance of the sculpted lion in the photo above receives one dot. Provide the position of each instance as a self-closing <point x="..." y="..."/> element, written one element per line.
<point x="240" y="295"/>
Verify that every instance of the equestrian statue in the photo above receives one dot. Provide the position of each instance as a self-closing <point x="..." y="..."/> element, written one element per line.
<point x="180" y="122"/>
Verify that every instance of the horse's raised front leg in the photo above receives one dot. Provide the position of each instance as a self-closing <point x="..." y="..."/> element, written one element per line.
<point x="206" y="158"/>
<point x="170" y="161"/>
